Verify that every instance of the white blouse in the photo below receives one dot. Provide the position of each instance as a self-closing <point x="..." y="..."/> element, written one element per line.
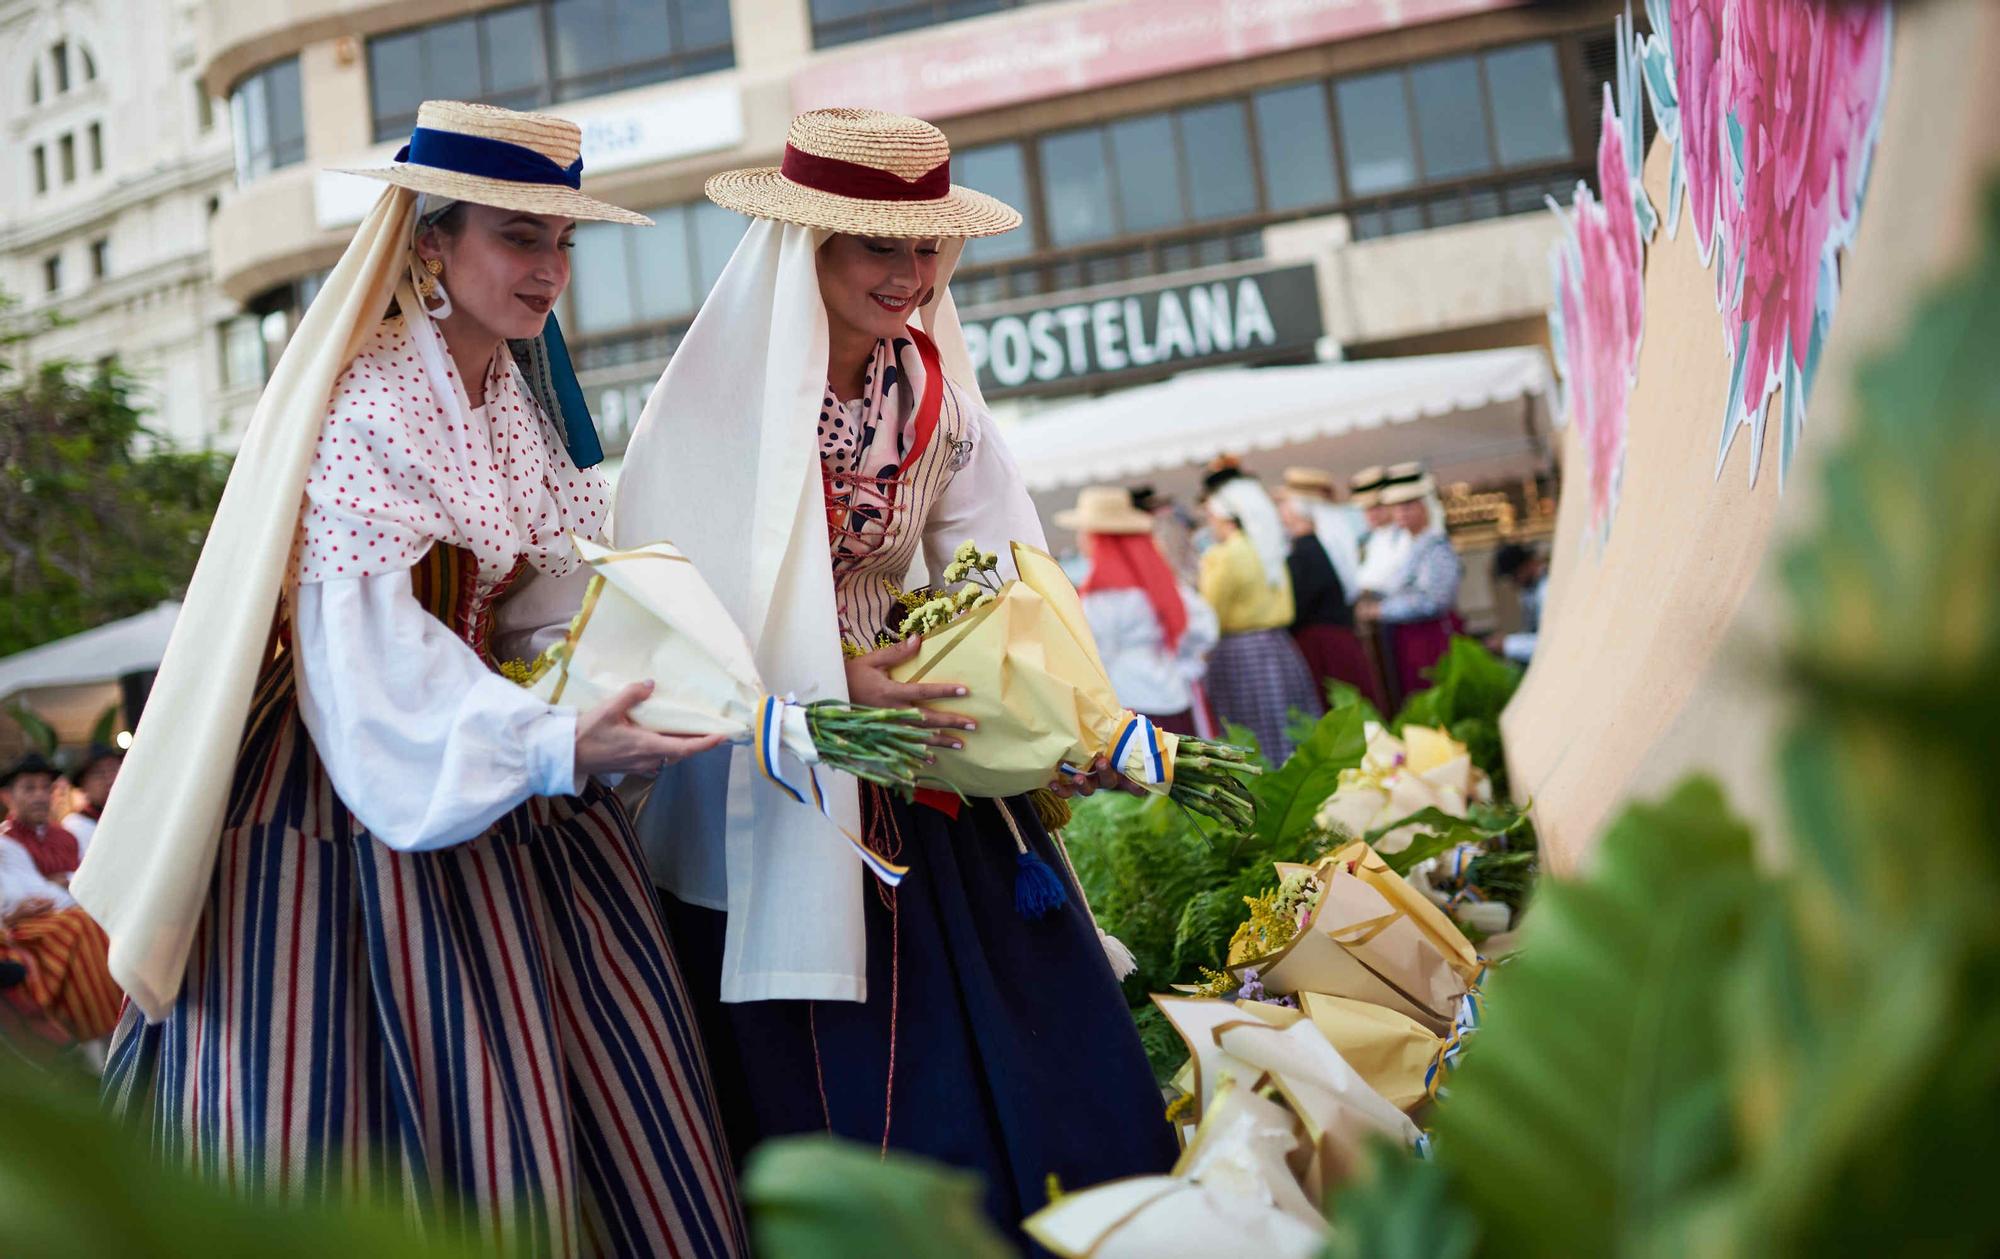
<point x="1147" y="677"/>
<point x="424" y="743"/>
<point x="21" y="881"/>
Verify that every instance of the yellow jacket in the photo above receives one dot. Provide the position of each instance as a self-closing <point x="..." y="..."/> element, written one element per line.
<point x="1232" y="580"/>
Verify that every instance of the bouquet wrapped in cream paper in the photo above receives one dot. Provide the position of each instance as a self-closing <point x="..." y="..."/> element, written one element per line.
<point x="1036" y="686"/>
<point x="648" y="613"/>
<point x="1424" y="769"/>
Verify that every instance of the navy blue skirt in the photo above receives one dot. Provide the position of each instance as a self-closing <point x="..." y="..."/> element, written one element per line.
<point x="989" y="1041"/>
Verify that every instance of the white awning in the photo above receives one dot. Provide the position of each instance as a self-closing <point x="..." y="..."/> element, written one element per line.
<point x="1472" y="416"/>
<point x="70" y="681"/>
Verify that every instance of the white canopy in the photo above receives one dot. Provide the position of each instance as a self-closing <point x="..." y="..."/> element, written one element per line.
<point x="1471" y="416"/>
<point x="70" y="681"/>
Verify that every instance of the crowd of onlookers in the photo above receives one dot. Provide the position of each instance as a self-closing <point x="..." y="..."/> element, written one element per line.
<point x="1243" y="609"/>
<point x="56" y="992"/>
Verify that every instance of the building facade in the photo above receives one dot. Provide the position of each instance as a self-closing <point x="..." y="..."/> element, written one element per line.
<point x="117" y="160"/>
<point x="1265" y="182"/>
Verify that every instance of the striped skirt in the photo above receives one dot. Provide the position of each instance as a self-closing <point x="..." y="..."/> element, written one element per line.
<point x="493" y="1035"/>
<point x="67" y="995"/>
<point x="1255" y="680"/>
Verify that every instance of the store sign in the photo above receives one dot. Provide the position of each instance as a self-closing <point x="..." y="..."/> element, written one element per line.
<point x="619" y="132"/>
<point x="1077" y="47"/>
<point x="1205" y="321"/>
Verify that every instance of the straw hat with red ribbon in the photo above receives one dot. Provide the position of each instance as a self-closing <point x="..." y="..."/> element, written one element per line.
<point x="866" y="173"/>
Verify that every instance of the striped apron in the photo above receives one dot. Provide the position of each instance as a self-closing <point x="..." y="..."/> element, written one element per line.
<point x="494" y="1034"/>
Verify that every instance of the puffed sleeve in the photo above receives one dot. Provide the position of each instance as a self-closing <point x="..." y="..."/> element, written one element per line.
<point x="423" y="742"/>
<point x="986" y="501"/>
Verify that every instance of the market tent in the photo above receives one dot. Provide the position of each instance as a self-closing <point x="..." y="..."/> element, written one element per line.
<point x="71" y="681"/>
<point x="1480" y="415"/>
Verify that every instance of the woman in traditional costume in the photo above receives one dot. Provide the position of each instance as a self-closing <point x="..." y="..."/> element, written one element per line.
<point x="384" y="932"/>
<point x="1324" y="562"/>
<point x="1418" y="613"/>
<point x="1256" y="674"/>
<point x="1153" y="633"/>
<point x="819" y="427"/>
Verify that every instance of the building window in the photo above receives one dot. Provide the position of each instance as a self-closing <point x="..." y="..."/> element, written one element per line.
<point x="89" y="65"/>
<point x="529" y="55"/>
<point x="59" y="57"/>
<point x="845" y="21"/>
<point x="268" y="117"/>
<point x="242" y="343"/>
<point x="274" y="314"/>
<point x="96" y="148"/>
<point x="41" y="168"/>
<point x="999" y="170"/>
<point x="1295" y="146"/>
<point x="66" y="148"/>
<point x="623" y="279"/>
<point x="100" y="258"/>
<point x="52" y="274"/>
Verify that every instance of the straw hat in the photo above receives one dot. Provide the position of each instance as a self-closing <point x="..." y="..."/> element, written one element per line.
<point x="1404" y="491"/>
<point x="1104" y="509"/>
<point x="1309" y="481"/>
<point x="498" y="157"/>
<point x="866" y="173"/>
<point x="1365" y="486"/>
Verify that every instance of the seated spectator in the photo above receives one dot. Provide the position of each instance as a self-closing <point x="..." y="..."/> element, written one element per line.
<point x="93" y="780"/>
<point x="1529" y="571"/>
<point x="27" y="789"/>
<point x="1152" y="631"/>
<point x="64" y="994"/>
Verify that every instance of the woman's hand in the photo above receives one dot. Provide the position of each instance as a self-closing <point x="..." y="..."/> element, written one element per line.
<point x="869" y="685"/>
<point x="609" y="742"/>
<point x="1086" y="783"/>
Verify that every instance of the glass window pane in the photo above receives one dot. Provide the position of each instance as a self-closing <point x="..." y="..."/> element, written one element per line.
<point x="288" y="120"/>
<point x="704" y="23"/>
<point x="1221" y="183"/>
<point x="395" y="80"/>
<point x="716" y="234"/>
<point x="1375" y="133"/>
<point x="451" y="61"/>
<point x="515" y="61"/>
<point x="664" y="270"/>
<point x="1076" y="187"/>
<point x="1527" y="105"/>
<point x="1295" y="141"/>
<point x="583" y="36"/>
<point x="998" y="170"/>
<point x="1451" y="118"/>
<point x="600" y="282"/>
<point x="1148" y="173"/>
<point x="639" y="31"/>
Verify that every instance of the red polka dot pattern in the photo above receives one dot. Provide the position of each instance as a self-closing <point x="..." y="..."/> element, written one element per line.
<point x="400" y="467"/>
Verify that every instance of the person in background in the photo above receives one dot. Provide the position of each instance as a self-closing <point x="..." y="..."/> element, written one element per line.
<point x="1256" y="674"/>
<point x="1173" y="529"/>
<point x="28" y="788"/>
<point x="1418" y="613"/>
<point x="1529" y="571"/>
<point x="1338" y="526"/>
<point x="57" y="955"/>
<point x="1152" y="630"/>
<point x="93" y="778"/>
<point x="1383" y="544"/>
<point x="1323" y="618"/>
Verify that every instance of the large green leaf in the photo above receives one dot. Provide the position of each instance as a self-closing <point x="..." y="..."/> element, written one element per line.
<point x="821" y="1198"/>
<point x="1289" y="796"/>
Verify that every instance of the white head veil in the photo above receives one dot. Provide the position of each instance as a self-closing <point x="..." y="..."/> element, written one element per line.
<point x="725" y="464"/>
<point x="1246" y="501"/>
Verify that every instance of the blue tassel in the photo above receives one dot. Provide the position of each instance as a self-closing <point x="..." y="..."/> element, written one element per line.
<point x="1038" y="890"/>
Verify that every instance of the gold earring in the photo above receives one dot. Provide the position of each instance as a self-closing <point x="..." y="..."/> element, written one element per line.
<point x="427" y="285"/>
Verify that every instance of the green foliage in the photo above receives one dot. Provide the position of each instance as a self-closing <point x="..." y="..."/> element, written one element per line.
<point x="1289" y="796"/>
<point x="74" y="1186"/>
<point x="1690" y="1057"/>
<point x="821" y="1198"/>
<point x="1402" y="1208"/>
<point x="1470" y="686"/>
<point x="98" y="520"/>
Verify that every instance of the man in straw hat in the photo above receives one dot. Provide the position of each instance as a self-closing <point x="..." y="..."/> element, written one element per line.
<point x="360" y="877"/>
<point x="824" y="388"/>
<point x="1153" y="632"/>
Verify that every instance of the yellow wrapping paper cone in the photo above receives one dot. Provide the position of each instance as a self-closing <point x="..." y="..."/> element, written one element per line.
<point x="1034" y="683"/>
<point x="1423" y="918"/>
<point x="1391" y="1051"/>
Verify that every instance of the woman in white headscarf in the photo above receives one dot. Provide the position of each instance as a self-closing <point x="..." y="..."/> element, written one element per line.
<point x="385" y="932"/>
<point x="1256" y="676"/>
<point x="818" y="431"/>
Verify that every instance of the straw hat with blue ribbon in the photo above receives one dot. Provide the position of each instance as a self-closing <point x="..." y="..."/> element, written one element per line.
<point x="499" y="157"/>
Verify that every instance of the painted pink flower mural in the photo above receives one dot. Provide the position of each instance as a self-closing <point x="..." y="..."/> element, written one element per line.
<point x="1600" y="291"/>
<point x="1773" y="107"/>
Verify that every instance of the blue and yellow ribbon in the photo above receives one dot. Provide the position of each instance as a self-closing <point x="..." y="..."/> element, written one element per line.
<point x="1140" y="730"/>
<point x="768" y="742"/>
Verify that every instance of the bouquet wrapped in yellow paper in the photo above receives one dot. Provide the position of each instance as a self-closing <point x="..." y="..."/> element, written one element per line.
<point x="1036" y="686"/>
<point x="648" y="613"/>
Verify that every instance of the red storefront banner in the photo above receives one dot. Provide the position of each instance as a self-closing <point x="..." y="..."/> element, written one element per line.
<point x="987" y="63"/>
